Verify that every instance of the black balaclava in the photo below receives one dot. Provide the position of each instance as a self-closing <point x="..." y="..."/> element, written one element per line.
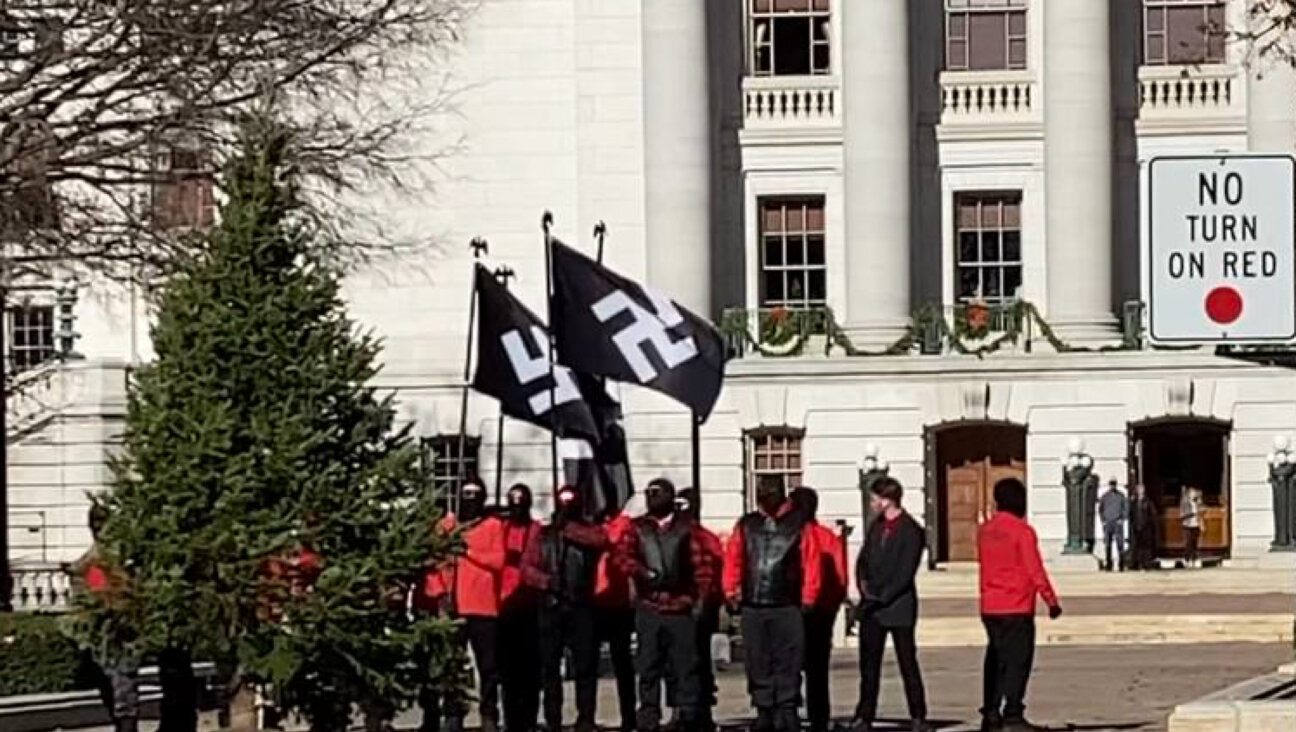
<point x="519" y="503"/>
<point x="689" y="503"/>
<point x="660" y="498"/>
<point x="472" y="501"/>
<point x="770" y="495"/>
<point x="567" y="504"/>
<point x="806" y="500"/>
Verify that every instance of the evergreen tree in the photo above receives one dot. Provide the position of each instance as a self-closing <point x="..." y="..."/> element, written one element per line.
<point x="270" y="516"/>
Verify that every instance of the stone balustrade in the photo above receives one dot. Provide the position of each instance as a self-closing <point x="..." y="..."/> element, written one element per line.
<point x="40" y="587"/>
<point x="1177" y="91"/>
<point x="787" y="102"/>
<point x="987" y="96"/>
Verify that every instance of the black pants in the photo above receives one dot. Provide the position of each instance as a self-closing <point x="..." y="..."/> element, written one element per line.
<point x="569" y="628"/>
<point x="519" y="637"/>
<point x="667" y="646"/>
<point x="818" y="656"/>
<point x="616" y="627"/>
<point x="178" y="710"/>
<point x="1192" y="536"/>
<point x="481" y="634"/>
<point x="1010" y="653"/>
<point x="774" y="640"/>
<point x="872" y="645"/>
<point x="1144" y="548"/>
<point x="708" y="625"/>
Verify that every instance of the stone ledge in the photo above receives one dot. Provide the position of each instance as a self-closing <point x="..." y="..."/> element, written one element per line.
<point x="1262" y="704"/>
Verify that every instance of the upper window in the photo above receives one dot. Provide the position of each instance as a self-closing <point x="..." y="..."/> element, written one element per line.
<point x="793" y="269"/>
<point x="773" y="453"/>
<point x="31" y="336"/>
<point x="442" y="464"/>
<point x="788" y="37"/>
<point x="1183" y="32"/>
<point x="988" y="250"/>
<point x="982" y="35"/>
<point x="185" y="198"/>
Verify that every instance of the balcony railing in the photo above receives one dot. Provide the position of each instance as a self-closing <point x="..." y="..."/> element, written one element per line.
<point x="40" y="587"/>
<point x="972" y="97"/>
<point x="786" y="102"/>
<point x="1179" y="91"/>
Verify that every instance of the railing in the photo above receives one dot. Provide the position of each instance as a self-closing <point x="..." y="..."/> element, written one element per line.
<point x="986" y="96"/>
<point x="40" y="587"/>
<point x="1184" y="90"/>
<point x="775" y="331"/>
<point x="780" y="102"/>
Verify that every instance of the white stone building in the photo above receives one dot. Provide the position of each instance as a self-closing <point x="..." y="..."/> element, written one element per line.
<point x="876" y="157"/>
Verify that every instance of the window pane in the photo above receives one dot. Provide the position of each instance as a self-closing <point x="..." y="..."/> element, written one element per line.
<point x="1012" y="281"/>
<point x="956" y="56"/>
<point x="792" y="46"/>
<point x="822" y="59"/>
<point x="1017" y="53"/>
<point x="795" y="251"/>
<point x="1187" y="35"/>
<point x="1012" y="215"/>
<point x="773" y="251"/>
<point x="990" y="246"/>
<point x="1012" y="246"/>
<point x="1216" y="34"/>
<point x="773" y="218"/>
<point x="1154" y="19"/>
<point x="968" y="283"/>
<point x="795" y="218"/>
<point x="791" y="5"/>
<point x="762" y="461"/>
<point x="774" y="287"/>
<point x="796" y="286"/>
<point x="968" y="250"/>
<point x="993" y="285"/>
<point x="815" y="217"/>
<point x="967" y="213"/>
<point x="1017" y="24"/>
<point x="990" y="214"/>
<point x="958" y="25"/>
<point x="1155" y="50"/>
<point x="818" y="287"/>
<point x="988" y="42"/>
<point x="815" y="250"/>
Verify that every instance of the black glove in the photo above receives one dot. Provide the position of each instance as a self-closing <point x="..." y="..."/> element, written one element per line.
<point x="1055" y="612"/>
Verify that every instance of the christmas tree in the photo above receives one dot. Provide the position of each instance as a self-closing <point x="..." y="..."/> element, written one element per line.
<point x="269" y="515"/>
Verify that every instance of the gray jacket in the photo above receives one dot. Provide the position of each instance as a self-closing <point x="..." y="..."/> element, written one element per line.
<point x="1113" y="507"/>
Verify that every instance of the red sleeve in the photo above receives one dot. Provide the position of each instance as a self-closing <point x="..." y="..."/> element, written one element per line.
<point x="1029" y="548"/>
<point x="703" y="564"/>
<point x="533" y="573"/>
<point x="839" y="561"/>
<point x="735" y="554"/>
<point x="811" y="566"/>
<point x="485" y="545"/>
<point x="590" y="537"/>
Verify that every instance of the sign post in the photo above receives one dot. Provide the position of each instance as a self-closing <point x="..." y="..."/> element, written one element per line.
<point x="1220" y="257"/>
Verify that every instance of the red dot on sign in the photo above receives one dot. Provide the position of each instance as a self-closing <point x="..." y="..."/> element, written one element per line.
<point x="1224" y="305"/>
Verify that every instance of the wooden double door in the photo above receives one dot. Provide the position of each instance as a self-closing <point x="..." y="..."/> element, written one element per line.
<point x="1170" y="455"/>
<point x="969" y="461"/>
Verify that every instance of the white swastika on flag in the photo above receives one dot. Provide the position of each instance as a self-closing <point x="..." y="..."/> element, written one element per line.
<point x="528" y="369"/>
<point x="647" y="328"/>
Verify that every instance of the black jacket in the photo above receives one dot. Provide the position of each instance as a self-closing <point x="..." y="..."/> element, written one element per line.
<point x="885" y="570"/>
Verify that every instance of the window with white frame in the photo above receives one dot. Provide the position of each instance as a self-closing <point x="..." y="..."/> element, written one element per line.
<point x="789" y="37"/>
<point x="773" y="453"/>
<point x="793" y="264"/>
<point x="987" y="246"/>
<point x="31" y="336"/>
<point x="985" y="35"/>
<point x="442" y="464"/>
<point x="1183" y="32"/>
<point x="185" y="195"/>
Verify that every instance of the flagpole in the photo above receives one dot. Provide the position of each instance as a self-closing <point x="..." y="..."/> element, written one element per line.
<point x="503" y="275"/>
<point x="697" y="452"/>
<point x="546" y="223"/>
<point x="479" y="247"/>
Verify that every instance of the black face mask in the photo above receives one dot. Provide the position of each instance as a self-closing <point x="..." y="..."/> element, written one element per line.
<point x="568" y="509"/>
<point x="472" y="504"/>
<point x="660" y="503"/>
<point x="519" y="506"/>
<point x="771" y="497"/>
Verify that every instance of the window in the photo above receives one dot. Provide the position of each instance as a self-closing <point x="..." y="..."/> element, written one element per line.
<point x="983" y="35"/>
<point x="185" y="197"/>
<point x="1183" y="32"/>
<point x="988" y="247"/>
<point x="31" y="336"/>
<point x="789" y="37"/>
<point x="773" y="454"/>
<point x="440" y="458"/>
<point x="792" y="258"/>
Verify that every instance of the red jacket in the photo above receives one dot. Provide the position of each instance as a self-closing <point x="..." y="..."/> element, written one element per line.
<point x="811" y="562"/>
<point x="834" y="579"/>
<point x="516" y="538"/>
<point x="475" y="575"/>
<point x="612" y="586"/>
<point x="714" y="551"/>
<point x="627" y="558"/>
<point x="1012" y="572"/>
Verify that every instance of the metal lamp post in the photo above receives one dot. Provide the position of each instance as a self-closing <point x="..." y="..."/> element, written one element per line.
<point x="1282" y="479"/>
<point x="1081" y="485"/>
<point x="871" y="469"/>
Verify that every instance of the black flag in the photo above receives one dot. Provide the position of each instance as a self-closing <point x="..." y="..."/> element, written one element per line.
<point x="607" y="325"/>
<point x="513" y="365"/>
<point x="602" y="471"/>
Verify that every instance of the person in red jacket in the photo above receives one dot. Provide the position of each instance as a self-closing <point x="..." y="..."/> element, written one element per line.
<point x="689" y="504"/>
<point x="819" y="622"/>
<point x="772" y="571"/>
<point x="1012" y="576"/>
<point x="469" y="588"/>
<point x="519" y="618"/>
<point x="614" y="618"/>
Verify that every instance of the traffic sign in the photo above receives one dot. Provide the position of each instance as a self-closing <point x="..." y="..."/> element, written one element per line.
<point x="1220" y="259"/>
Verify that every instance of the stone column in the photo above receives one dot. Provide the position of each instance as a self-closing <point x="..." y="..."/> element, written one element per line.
<point x="677" y="151"/>
<point x="1271" y="102"/>
<point x="1078" y="168"/>
<point x="873" y="62"/>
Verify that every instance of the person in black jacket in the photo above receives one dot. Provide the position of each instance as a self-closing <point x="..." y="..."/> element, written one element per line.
<point x="884" y="573"/>
<point x="561" y="562"/>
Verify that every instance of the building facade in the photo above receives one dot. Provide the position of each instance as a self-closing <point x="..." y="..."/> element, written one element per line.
<point x="917" y="221"/>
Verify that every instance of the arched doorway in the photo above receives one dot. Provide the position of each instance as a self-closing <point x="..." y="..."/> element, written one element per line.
<point x="964" y="461"/>
<point x="1170" y="454"/>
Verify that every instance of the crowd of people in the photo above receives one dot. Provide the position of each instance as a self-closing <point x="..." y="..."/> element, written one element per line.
<point x="1138" y="516"/>
<point x="530" y="595"/>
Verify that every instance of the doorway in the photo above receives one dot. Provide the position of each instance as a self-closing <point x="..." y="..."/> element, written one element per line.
<point x="1169" y="455"/>
<point x="965" y="460"/>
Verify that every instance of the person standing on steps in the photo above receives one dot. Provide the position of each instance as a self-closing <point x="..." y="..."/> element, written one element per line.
<point x="820" y="620"/>
<point x="614" y="617"/>
<point x="884" y="574"/>
<point x="666" y="558"/>
<point x="520" y="646"/>
<point x="562" y="563"/>
<point x="1145" y="525"/>
<point x="1113" y="510"/>
<point x="772" y="576"/>
<point x="1190" y="514"/>
<point x="689" y="504"/>
<point x="1012" y="576"/>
